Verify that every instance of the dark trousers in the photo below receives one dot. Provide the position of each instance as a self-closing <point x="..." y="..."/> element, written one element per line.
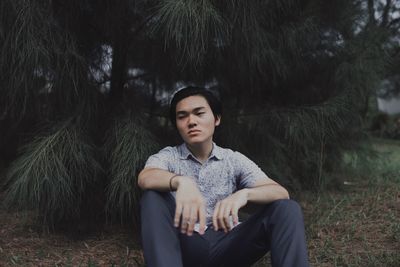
<point x="278" y="227"/>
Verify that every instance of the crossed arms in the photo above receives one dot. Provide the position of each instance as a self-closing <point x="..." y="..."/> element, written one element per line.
<point x="190" y="204"/>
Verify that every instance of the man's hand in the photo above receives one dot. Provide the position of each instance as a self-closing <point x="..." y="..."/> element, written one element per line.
<point x="190" y="206"/>
<point x="229" y="207"/>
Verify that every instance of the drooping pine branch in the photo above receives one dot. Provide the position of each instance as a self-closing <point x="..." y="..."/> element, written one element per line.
<point x="53" y="173"/>
<point x="127" y="147"/>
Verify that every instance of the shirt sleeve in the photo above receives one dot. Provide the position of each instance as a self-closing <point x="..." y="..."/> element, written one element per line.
<point x="247" y="172"/>
<point x="161" y="160"/>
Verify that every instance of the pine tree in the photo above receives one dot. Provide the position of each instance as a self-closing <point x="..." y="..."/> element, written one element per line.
<point x="82" y="86"/>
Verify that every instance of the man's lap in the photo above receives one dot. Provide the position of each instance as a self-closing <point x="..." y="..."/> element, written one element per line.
<point x="241" y="246"/>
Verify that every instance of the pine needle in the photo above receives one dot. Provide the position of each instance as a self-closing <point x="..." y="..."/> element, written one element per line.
<point x="52" y="174"/>
<point x="128" y="146"/>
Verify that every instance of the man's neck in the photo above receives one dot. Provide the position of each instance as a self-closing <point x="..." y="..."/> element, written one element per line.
<point x="201" y="151"/>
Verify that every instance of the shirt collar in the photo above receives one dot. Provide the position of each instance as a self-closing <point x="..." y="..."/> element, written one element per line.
<point x="185" y="153"/>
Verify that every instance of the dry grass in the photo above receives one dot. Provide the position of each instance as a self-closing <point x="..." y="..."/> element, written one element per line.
<point x="23" y="244"/>
<point x="359" y="225"/>
<point x="359" y="228"/>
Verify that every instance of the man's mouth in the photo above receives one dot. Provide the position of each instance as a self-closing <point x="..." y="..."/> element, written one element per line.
<point x="193" y="131"/>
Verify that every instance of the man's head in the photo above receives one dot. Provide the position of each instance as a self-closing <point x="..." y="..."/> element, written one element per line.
<point x="195" y="112"/>
<point x="211" y="99"/>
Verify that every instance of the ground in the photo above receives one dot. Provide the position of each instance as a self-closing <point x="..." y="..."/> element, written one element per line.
<point x="357" y="224"/>
<point x="23" y="244"/>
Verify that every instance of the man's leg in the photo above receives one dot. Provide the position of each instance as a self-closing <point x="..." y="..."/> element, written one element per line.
<point x="196" y="248"/>
<point x="163" y="245"/>
<point x="160" y="240"/>
<point x="278" y="227"/>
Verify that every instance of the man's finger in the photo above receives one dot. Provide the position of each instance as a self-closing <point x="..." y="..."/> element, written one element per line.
<point x="192" y="220"/>
<point x="220" y="217"/>
<point x="215" y="215"/>
<point x="178" y="213"/>
<point x="185" y="218"/>
<point x="235" y="217"/>
<point x="226" y="218"/>
<point x="202" y="219"/>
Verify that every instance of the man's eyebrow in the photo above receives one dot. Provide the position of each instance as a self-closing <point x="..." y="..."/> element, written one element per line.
<point x="198" y="109"/>
<point x="193" y="110"/>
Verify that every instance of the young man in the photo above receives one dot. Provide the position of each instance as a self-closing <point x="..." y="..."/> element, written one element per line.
<point x="193" y="192"/>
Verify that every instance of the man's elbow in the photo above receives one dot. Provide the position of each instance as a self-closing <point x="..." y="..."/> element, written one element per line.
<point x="284" y="193"/>
<point x="142" y="182"/>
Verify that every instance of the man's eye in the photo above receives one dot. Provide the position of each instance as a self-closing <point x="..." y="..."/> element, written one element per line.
<point x="200" y="113"/>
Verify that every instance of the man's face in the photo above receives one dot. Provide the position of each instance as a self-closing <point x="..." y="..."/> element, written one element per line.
<point x="195" y="120"/>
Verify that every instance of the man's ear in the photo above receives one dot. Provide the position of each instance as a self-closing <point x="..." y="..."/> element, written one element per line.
<point x="218" y="120"/>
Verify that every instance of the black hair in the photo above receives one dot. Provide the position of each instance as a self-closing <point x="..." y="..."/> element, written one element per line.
<point x="212" y="100"/>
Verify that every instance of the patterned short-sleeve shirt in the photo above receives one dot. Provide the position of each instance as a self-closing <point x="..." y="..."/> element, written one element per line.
<point x="224" y="172"/>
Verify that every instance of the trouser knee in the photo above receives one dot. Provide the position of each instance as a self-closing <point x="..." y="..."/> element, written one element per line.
<point x="149" y="197"/>
<point x="286" y="210"/>
<point x="154" y="204"/>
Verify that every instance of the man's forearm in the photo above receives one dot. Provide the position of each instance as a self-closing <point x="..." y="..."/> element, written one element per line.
<point x="190" y="205"/>
<point x="160" y="180"/>
<point x="155" y="179"/>
<point x="266" y="193"/>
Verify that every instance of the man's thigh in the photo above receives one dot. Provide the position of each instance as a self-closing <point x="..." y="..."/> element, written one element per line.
<point x="243" y="245"/>
<point x="196" y="248"/>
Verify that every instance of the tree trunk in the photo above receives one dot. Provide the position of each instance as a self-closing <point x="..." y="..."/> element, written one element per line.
<point x="119" y="60"/>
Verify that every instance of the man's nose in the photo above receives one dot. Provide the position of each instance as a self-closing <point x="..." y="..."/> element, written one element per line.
<point x="191" y="121"/>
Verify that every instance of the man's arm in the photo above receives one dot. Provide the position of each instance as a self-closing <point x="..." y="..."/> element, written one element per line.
<point x="190" y="206"/>
<point x="266" y="191"/>
<point x="263" y="191"/>
<point x="156" y="179"/>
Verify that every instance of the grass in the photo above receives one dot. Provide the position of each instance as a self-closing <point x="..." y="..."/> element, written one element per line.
<point x="359" y="225"/>
<point x="355" y="225"/>
<point x="357" y="229"/>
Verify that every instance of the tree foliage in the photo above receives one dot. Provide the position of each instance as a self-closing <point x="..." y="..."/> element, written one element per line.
<point x="127" y="146"/>
<point x="295" y="78"/>
<point x="55" y="173"/>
